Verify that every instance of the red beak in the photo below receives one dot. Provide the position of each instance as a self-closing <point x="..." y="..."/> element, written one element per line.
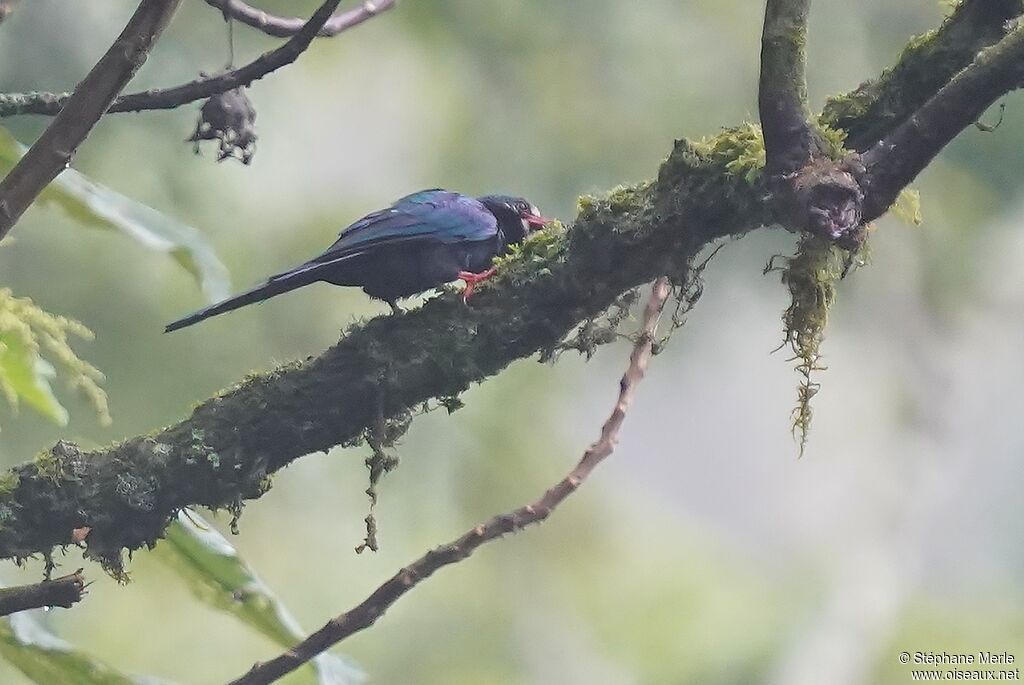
<point x="535" y="220"/>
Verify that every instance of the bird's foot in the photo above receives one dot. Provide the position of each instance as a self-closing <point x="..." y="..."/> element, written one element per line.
<point x="395" y="309"/>
<point x="472" y="280"/>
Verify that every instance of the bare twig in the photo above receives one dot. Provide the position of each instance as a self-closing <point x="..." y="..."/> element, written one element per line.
<point x="905" y="152"/>
<point x="782" y="94"/>
<point x="373" y="607"/>
<point x="53" y="151"/>
<point x="282" y="27"/>
<point x="168" y="98"/>
<point x="59" y="592"/>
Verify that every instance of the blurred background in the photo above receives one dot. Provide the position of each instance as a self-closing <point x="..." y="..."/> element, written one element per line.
<point x="705" y="551"/>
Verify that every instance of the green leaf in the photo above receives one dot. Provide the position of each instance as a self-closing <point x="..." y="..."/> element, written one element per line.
<point x="907" y="207"/>
<point x="24" y="376"/>
<point x="27" y="335"/>
<point x="97" y="206"/>
<point x="217" y="576"/>
<point x="46" y="659"/>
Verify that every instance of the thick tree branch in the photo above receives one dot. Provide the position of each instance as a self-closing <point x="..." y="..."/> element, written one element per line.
<point x="282" y="27"/>
<point x="789" y="140"/>
<point x="169" y="98"/>
<point x="814" y="192"/>
<point x="373" y="607"/>
<point x="53" y="151"/>
<point x="59" y="592"/>
<point x="832" y="197"/>
<point x="868" y="113"/>
<point x="225" y="451"/>
<point x="905" y="152"/>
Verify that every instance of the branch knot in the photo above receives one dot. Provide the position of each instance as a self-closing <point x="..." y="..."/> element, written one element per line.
<point x="825" y="198"/>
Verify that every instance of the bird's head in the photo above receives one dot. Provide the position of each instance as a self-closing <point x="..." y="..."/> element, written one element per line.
<point x="517" y="218"/>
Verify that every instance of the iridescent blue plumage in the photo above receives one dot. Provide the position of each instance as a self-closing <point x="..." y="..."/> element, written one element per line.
<point x="422" y="241"/>
<point x="437" y="214"/>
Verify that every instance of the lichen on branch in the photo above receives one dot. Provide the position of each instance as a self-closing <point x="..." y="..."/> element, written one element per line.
<point x="926" y="63"/>
<point x="811" y="276"/>
<point x="225" y="452"/>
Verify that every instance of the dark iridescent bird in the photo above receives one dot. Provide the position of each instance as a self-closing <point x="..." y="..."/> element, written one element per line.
<point x="422" y="241"/>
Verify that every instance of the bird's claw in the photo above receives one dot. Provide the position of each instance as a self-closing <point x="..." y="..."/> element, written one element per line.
<point x="472" y="280"/>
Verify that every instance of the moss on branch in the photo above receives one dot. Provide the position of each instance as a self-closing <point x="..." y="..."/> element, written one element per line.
<point x="124" y="495"/>
<point x="926" y="64"/>
<point x="782" y="88"/>
<point x="227" y="449"/>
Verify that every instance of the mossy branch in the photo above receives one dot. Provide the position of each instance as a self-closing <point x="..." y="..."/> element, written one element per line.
<point x="905" y="152"/>
<point x="832" y="193"/>
<point x="373" y="607"/>
<point x="927" y="63"/>
<point x="782" y="92"/>
<point x="811" y="181"/>
<point x="226" y="450"/>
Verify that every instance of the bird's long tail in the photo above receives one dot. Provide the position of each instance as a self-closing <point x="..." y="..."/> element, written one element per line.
<point x="275" y="285"/>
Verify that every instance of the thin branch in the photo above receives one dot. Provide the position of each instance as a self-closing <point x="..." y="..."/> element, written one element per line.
<point x="782" y="94"/>
<point x="201" y="88"/>
<point x="373" y="607"/>
<point x="169" y="98"/>
<point x="282" y="27"/>
<point x="905" y="152"/>
<point x="53" y="151"/>
<point x="59" y="592"/>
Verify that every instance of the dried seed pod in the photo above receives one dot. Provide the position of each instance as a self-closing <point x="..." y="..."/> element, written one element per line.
<point x="228" y="117"/>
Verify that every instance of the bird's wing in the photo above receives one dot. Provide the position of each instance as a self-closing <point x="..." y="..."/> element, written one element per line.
<point x="435" y="215"/>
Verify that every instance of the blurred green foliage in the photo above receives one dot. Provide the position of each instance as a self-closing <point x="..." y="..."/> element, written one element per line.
<point x="92" y="205"/>
<point x="45" y="659"/>
<point x="703" y="553"/>
<point x="216" y="576"/>
<point x="26" y="333"/>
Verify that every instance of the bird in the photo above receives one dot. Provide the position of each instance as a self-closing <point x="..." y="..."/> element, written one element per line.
<point x="420" y="242"/>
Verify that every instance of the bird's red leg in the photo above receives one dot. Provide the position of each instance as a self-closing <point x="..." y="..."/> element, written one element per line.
<point x="472" y="279"/>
